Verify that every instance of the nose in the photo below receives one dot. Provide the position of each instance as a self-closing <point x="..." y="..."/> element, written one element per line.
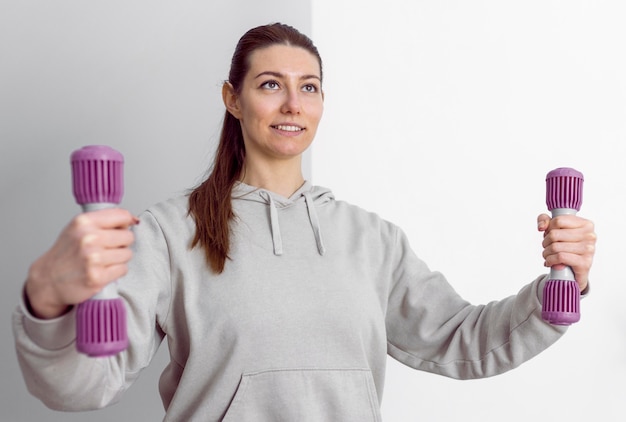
<point x="292" y="104"/>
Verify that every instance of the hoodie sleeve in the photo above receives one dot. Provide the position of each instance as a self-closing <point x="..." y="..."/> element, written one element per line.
<point x="66" y="380"/>
<point x="431" y="328"/>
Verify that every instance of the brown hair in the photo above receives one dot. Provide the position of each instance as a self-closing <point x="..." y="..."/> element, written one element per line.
<point x="210" y="203"/>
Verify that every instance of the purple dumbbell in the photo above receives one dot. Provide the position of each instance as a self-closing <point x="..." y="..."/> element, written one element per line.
<point x="97" y="178"/>
<point x="561" y="295"/>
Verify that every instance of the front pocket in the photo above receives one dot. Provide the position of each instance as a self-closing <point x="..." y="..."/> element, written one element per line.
<point x="305" y="395"/>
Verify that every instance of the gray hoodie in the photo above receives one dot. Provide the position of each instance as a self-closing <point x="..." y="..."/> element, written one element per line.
<point x="296" y="328"/>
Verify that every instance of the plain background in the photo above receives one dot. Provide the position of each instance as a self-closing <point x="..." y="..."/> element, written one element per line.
<point x="443" y="117"/>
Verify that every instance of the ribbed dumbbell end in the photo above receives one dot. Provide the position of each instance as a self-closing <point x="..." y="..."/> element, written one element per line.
<point x="561" y="302"/>
<point x="564" y="189"/>
<point x="97" y="175"/>
<point x="101" y="327"/>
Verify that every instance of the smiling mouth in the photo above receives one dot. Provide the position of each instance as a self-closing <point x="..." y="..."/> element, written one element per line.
<point x="289" y="128"/>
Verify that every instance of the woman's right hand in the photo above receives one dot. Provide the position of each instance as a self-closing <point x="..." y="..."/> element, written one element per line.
<point x="92" y="251"/>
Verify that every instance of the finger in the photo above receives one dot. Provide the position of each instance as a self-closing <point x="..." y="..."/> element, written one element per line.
<point x="555" y="237"/>
<point x="109" y="257"/>
<point x="580" y="265"/>
<point x="111" y="218"/>
<point x="580" y="262"/>
<point x="567" y="253"/>
<point x="115" y="238"/>
<point x="543" y="221"/>
<point x="103" y="276"/>
<point x="582" y="235"/>
<point x="105" y="267"/>
<point x="568" y="221"/>
<point x="115" y="272"/>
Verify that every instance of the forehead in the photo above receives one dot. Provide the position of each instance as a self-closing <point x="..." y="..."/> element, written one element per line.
<point x="284" y="59"/>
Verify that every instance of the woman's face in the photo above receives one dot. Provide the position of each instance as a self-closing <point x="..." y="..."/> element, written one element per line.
<point x="280" y="103"/>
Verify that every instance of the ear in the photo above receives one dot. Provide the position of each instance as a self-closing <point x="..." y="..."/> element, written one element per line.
<point x="231" y="100"/>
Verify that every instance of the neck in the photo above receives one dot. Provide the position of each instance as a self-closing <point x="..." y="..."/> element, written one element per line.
<point x="283" y="180"/>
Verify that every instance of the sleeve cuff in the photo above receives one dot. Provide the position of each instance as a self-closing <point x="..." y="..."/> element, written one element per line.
<point x="51" y="334"/>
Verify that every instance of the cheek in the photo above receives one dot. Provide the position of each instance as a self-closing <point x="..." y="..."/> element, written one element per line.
<point x="313" y="105"/>
<point x="255" y="111"/>
<point x="321" y="112"/>
<point x="261" y="114"/>
<point x="316" y="113"/>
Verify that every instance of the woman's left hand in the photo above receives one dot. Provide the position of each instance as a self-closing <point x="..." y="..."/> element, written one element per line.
<point x="568" y="240"/>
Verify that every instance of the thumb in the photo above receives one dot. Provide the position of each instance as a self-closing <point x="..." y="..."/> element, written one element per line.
<point x="543" y="220"/>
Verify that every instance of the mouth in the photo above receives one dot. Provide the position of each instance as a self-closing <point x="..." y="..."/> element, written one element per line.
<point x="288" y="128"/>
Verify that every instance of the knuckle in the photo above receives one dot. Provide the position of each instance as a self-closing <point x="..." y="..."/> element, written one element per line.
<point x="81" y="221"/>
<point x="87" y="241"/>
<point x="561" y="256"/>
<point x="126" y="238"/>
<point x="94" y="276"/>
<point x="592" y="237"/>
<point x="94" y="259"/>
<point x="555" y="238"/>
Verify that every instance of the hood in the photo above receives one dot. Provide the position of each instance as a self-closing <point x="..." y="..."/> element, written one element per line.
<point x="312" y="196"/>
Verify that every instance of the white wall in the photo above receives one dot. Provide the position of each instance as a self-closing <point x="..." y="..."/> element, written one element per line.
<point x="444" y="117"/>
<point x="142" y="76"/>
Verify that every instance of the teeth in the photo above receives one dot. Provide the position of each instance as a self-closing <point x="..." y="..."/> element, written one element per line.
<point x="289" y="128"/>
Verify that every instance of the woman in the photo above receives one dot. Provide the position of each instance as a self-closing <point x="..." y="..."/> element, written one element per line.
<point x="278" y="302"/>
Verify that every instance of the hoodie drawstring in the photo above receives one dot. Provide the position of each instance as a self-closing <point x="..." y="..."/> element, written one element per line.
<point x="275" y="227"/>
<point x="315" y="224"/>
<point x="276" y="237"/>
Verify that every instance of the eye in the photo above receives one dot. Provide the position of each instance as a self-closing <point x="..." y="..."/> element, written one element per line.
<point x="310" y="88"/>
<point x="272" y="85"/>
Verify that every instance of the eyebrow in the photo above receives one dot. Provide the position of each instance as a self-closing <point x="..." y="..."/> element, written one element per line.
<point x="280" y="75"/>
